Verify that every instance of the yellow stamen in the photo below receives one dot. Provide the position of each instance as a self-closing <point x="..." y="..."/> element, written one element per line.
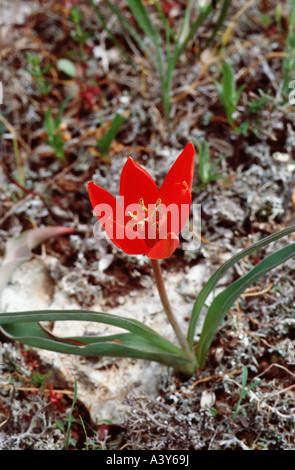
<point x="132" y="216"/>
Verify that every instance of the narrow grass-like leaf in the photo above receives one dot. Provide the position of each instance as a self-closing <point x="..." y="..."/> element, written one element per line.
<point x="142" y="342"/>
<point x="109" y="32"/>
<point x="139" y="11"/>
<point x="164" y="18"/>
<point x="129" y="324"/>
<point x="244" y="391"/>
<point x="228" y="81"/>
<point x="49" y="122"/>
<point x="105" y="142"/>
<point x="219" y="273"/>
<point x="132" y="31"/>
<point x="223" y="301"/>
<point x="183" y="41"/>
<point x="229" y="95"/>
<point x="218" y="24"/>
<point x="61" y="109"/>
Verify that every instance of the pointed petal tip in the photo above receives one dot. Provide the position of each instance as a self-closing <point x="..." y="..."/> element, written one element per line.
<point x="129" y="161"/>
<point x="190" y="146"/>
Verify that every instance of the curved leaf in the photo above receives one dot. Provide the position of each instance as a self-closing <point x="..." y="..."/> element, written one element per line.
<point x="219" y="273"/>
<point x="221" y="304"/>
<point x="142" y="342"/>
<point x="129" y="324"/>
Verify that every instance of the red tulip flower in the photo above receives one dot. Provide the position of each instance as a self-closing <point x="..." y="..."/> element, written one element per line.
<point x="145" y="219"/>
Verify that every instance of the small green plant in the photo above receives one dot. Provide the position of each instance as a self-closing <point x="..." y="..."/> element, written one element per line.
<point x="39" y="380"/>
<point x="67" y="429"/>
<point x="206" y="171"/>
<point x="79" y="36"/>
<point x="255" y="107"/>
<point x="244" y="391"/>
<point x="213" y="411"/>
<point x="244" y="128"/>
<point x="36" y="70"/>
<point x="106" y="140"/>
<point x="53" y="129"/>
<point x="162" y="45"/>
<point x="259" y="103"/>
<point x="228" y="93"/>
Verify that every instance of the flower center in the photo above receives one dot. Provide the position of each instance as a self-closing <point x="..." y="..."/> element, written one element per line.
<point x="146" y="220"/>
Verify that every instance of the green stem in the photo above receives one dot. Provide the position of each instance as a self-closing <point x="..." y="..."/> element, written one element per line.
<point x="167" y="307"/>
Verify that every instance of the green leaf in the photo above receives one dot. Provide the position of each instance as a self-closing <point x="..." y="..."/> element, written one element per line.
<point x="61" y="109"/>
<point x="228" y="81"/>
<point x="109" y="32"/>
<point x="142" y="342"/>
<point x="228" y="94"/>
<point x="243" y="390"/>
<point x="222" y="302"/>
<point x="139" y="11"/>
<point x="135" y="327"/>
<point x="46" y="69"/>
<point x="60" y="424"/>
<point x="49" y="123"/>
<point x="68" y="67"/>
<point x="105" y="142"/>
<point x="133" y="33"/>
<point x="219" y="273"/>
<point x="218" y="24"/>
<point x="204" y="161"/>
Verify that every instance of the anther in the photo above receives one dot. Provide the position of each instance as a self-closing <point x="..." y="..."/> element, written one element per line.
<point x="141" y="202"/>
<point x="132" y="216"/>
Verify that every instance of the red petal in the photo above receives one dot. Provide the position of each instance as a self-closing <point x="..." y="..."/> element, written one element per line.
<point x="126" y="239"/>
<point x="177" y="201"/>
<point x="136" y="183"/>
<point x="164" y="247"/>
<point x="103" y="202"/>
<point x="181" y="170"/>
